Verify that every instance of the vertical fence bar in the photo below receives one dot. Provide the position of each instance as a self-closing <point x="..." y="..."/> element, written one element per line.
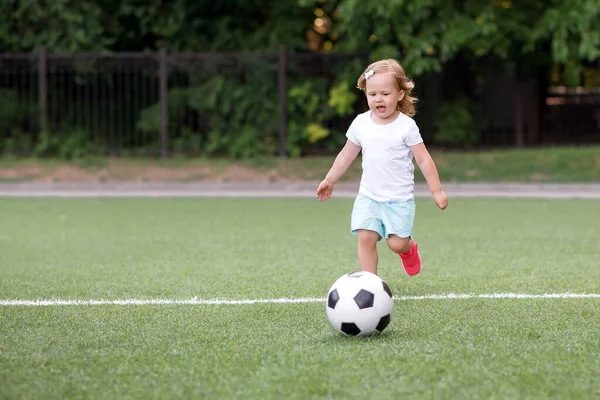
<point x="111" y="109"/>
<point x="518" y="105"/>
<point x="282" y="103"/>
<point x="43" y="90"/>
<point x="127" y="109"/>
<point x="534" y="135"/>
<point x="164" y="114"/>
<point x="142" y="97"/>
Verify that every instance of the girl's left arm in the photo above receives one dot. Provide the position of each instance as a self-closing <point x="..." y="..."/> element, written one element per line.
<point x="429" y="170"/>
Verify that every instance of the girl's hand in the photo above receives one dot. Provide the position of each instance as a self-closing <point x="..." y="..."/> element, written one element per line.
<point x="324" y="190"/>
<point x="440" y="199"/>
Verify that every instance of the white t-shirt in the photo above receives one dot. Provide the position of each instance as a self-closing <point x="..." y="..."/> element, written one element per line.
<point x="388" y="170"/>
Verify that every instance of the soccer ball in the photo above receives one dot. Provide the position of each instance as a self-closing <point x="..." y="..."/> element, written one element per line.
<point x="359" y="304"/>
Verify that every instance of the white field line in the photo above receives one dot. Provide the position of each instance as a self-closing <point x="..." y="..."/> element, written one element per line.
<point x="304" y="300"/>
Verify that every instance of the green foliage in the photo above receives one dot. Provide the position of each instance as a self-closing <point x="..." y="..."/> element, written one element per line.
<point x="240" y="126"/>
<point x="76" y="146"/>
<point x="458" y="124"/>
<point x="234" y="122"/>
<point x="397" y="28"/>
<point x="71" y="144"/>
<point x="10" y="112"/>
<point x="45" y="145"/>
<point x="305" y="96"/>
<point x="305" y="107"/>
<point x="572" y="29"/>
<point x="514" y="31"/>
<point x="60" y="25"/>
<point x="342" y="99"/>
<point x="17" y="143"/>
<point x="15" y="115"/>
<point x="312" y="104"/>
<point x="14" y="111"/>
<point x="236" y="113"/>
<point x="188" y="142"/>
<point x="316" y="132"/>
<point x="150" y="118"/>
<point x="202" y="25"/>
<point x="403" y="30"/>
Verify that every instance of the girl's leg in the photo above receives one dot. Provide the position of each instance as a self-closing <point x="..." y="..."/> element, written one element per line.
<point x="399" y="245"/>
<point x="399" y="218"/>
<point x="408" y="251"/>
<point x="367" y="250"/>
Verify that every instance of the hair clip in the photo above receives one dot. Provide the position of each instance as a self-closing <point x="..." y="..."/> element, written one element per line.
<point x="369" y="74"/>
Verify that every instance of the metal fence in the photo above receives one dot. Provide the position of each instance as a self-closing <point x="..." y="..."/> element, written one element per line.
<point x="158" y="103"/>
<point x="573" y="115"/>
<point x="150" y="103"/>
<point x="93" y="97"/>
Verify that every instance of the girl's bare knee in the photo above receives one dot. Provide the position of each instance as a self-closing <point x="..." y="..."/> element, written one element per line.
<point x="398" y="245"/>
<point x="367" y="238"/>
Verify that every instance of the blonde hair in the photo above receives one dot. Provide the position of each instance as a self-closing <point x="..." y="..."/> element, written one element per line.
<point x="403" y="83"/>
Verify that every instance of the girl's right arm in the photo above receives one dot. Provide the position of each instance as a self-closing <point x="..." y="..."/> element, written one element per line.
<point x="343" y="160"/>
<point x="339" y="167"/>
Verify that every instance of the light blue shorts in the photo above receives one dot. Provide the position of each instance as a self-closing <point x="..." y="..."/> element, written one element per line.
<point x="385" y="218"/>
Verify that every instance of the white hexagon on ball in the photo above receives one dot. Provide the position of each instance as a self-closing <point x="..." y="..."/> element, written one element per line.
<point x="359" y="304"/>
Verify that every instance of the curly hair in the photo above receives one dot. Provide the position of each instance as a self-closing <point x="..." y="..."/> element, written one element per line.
<point x="403" y="83"/>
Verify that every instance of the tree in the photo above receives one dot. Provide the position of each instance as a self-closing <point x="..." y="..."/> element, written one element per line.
<point x="573" y="30"/>
<point x="425" y="34"/>
<point x="527" y="38"/>
<point x="131" y="25"/>
<point x="62" y="25"/>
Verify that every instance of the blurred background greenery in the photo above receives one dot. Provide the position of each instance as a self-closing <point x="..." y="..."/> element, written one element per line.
<point x="242" y="79"/>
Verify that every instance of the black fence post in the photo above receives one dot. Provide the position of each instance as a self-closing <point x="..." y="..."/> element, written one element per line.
<point x="519" y="119"/>
<point x="43" y="90"/>
<point x="282" y="103"/>
<point x="164" y="113"/>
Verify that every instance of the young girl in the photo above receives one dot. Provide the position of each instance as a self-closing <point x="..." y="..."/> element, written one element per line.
<point x="388" y="138"/>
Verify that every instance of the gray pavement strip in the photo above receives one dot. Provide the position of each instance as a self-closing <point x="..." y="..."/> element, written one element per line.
<point x="286" y="190"/>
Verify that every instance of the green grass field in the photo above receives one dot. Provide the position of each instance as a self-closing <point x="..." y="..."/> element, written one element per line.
<point x="144" y="249"/>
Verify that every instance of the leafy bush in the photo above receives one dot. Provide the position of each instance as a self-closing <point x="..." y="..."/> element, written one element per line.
<point x="342" y="99"/>
<point x="232" y="114"/>
<point x="15" y="116"/>
<point x="236" y="115"/>
<point x="311" y="108"/>
<point x="70" y="144"/>
<point x="458" y="124"/>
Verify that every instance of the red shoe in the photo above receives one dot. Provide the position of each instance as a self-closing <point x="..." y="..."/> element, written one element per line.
<point x="411" y="261"/>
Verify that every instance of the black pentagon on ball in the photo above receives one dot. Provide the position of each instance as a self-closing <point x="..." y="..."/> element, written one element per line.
<point x="350" y="328"/>
<point x="364" y="299"/>
<point x="387" y="289"/>
<point x="383" y="323"/>
<point x="333" y="298"/>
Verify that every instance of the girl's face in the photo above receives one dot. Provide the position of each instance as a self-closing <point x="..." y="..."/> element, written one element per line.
<point x="383" y="97"/>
